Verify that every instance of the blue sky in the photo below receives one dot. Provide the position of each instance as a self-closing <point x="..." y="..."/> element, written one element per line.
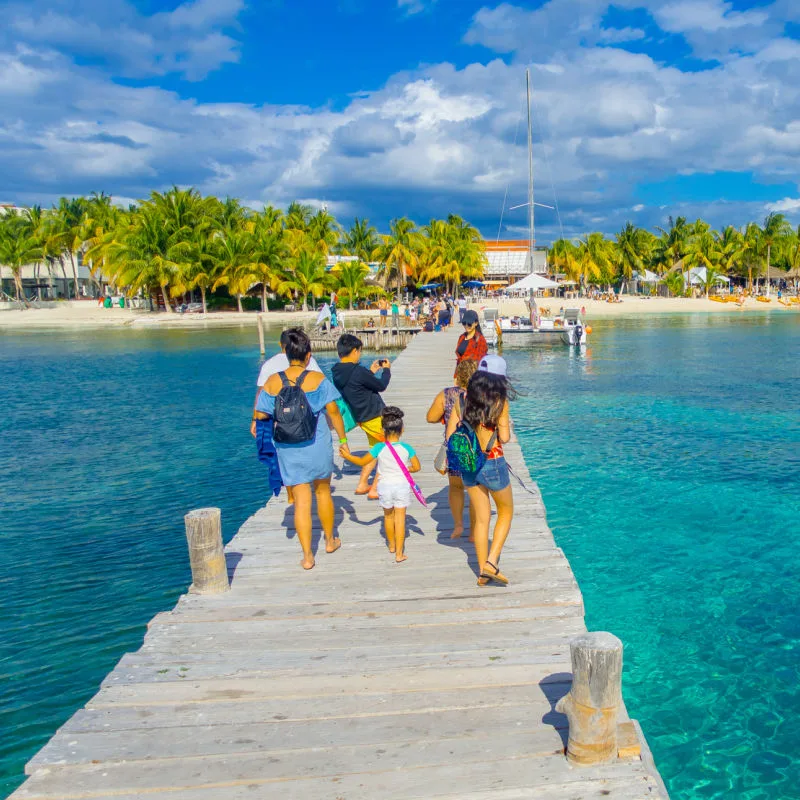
<point x="381" y="108"/>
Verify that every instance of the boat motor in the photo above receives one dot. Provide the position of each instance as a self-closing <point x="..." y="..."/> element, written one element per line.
<point x="578" y="331"/>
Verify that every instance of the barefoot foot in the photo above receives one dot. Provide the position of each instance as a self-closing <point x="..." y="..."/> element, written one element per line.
<point x="308" y="563"/>
<point x="457" y="531"/>
<point x="372" y="496"/>
<point x="400" y="558"/>
<point x="333" y="544"/>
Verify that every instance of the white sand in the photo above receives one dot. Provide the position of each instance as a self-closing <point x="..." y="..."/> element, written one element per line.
<point x="88" y="314"/>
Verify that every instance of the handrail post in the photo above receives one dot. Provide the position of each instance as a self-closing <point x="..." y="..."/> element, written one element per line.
<point x="593" y="702"/>
<point x="206" y="555"/>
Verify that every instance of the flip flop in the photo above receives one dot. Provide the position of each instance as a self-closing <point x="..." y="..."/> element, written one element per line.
<point x="492" y="576"/>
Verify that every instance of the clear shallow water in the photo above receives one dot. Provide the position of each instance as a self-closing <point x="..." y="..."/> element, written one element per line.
<point x="106" y="440"/>
<point x="669" y="461"/>
<point x="668" y="458"/>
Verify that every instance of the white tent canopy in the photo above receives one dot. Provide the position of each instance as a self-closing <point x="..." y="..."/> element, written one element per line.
<point x="646" y="277"/>
<point x="697" y="276"/>
<point x="531" y="282"/>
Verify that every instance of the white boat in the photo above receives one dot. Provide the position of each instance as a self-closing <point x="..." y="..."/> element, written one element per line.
<point x="568" y="329"/>
<point x="534" y="329"/>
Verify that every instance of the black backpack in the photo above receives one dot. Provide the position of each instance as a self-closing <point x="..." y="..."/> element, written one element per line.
<point x="295" y="422"/>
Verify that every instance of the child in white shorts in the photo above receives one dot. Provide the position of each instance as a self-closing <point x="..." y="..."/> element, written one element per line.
<point x="394" y="491"/>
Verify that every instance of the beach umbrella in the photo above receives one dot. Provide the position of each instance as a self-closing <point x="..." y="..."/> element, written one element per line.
<point x="473" y="284"/>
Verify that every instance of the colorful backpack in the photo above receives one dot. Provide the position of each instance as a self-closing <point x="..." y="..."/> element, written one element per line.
<point x="465" y="455"/>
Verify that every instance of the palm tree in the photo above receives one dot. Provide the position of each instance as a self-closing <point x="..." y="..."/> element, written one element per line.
<point x="674" y="282"/>
<point x="596" y="260"/>
<point x="398" y="252"/>
<point x="731" y="250"/>
<point x="270" y="250"/>
<point x="702" y="252"/>
<point x="65" y="228"/>
<point x="323" y="231"/>
<point x="670" y="247"/>
<point x="305" y="275"/>
<point x="18" y="247"/>
<point x="350" y="279"/>
<point x="361" y="240"/>
<point x="776" y="228"/>
<point x="751" y="251"/>
<point x="632" y="250"/>
<point x="297" y="216"/>
<point x="233" y="256"/>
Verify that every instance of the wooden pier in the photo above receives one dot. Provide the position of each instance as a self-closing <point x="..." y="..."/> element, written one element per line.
<point x="361" y="679"/>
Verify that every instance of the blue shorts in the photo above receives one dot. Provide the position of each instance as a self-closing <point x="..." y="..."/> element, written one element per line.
<point x="493" y="475"/>
<point x="384" y="312"/>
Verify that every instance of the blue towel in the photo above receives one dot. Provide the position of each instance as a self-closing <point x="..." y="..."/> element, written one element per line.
<point x="267" y="454"/>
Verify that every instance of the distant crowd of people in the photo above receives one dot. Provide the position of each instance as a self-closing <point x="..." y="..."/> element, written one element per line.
<point x="293" y="394"/>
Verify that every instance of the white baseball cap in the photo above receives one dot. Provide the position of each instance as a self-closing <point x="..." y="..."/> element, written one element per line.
<point x="496" y="365"/>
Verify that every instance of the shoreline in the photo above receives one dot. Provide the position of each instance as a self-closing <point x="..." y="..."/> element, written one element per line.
<point x="76" y="314"/>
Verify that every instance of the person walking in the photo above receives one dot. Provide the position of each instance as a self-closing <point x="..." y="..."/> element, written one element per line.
<point x="472" y="343"/>
<point x="462" y="307"/>
<point x="361" y="389"/>
<point x="394" y="492"/>
<point x="486" y="413"/>
<point x="303" y="444"/>
<point x="395" y="315"/>
<point x="261" y="425"/>
<point x="439" y="412"/>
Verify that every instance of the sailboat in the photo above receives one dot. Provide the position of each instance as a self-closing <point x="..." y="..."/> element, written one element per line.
<point x="534" y="328"/>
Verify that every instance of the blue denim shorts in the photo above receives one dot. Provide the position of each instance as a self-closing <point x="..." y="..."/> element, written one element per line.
<point x="493" y="475"/>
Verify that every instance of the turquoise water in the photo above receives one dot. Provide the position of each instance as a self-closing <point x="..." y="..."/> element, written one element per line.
<point x="668" y="458"/>
<point x="669" y="461"/>
<point x="106" y="440"/>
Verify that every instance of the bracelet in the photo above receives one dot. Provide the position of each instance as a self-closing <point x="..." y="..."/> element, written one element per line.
<point x="343" y="440"/>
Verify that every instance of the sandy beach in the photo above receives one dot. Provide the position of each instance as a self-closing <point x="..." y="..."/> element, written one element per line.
<point x="88" y="314"/>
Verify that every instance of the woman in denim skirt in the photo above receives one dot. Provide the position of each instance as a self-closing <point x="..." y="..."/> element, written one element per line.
<point x="486" y="410"/>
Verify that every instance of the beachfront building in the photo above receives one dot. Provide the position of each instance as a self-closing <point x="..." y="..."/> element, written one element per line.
<point x="49" y="280"/>
<point x="509" y="260"/>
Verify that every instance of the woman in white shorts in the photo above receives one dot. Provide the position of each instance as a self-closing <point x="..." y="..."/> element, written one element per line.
<point x="394" y="491"/>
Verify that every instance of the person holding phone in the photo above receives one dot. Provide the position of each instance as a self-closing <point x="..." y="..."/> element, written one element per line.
<point x="361" y="389"/>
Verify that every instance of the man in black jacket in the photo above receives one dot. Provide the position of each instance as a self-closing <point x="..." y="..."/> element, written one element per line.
<point x="361" y="387"/>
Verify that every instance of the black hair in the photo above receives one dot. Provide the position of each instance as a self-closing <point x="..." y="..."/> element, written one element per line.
<point x="347" y="343"/>
<point x="392" y="420"/>
<point x="298" y="345"/>
<point x="486" y="395"/>
<point x="285" y="336"/>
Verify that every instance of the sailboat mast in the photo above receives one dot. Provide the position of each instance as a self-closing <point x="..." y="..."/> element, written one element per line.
<point x="531" y="222"/>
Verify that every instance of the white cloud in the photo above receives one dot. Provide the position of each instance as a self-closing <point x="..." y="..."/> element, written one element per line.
<point x="428" y="142"/>
<point x="412" y="7"/>
<point x="789" y="205"/>
<point x="187" y="40"/>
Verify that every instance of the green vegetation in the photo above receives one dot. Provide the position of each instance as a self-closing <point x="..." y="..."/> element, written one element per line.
<point x="179" y="241"/>
<point x="746" y="253"/>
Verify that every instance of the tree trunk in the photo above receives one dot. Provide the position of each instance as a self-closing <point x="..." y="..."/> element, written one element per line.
<point x="64" y="273"/>
<point x="766" y="277"/>
<point x="74" y="273"/>
<point x="203" y="298"/>
<point x="264" y="307"/>
<point x="239" y="303"/>
<point x="750" y="277"/>
<point x="305" y="302"/>
<point x="351" y="301"/>
<point x="165" y="293"/>
<point x="17" y="284"/>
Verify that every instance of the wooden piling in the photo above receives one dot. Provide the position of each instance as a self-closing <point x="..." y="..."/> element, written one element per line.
<point x="206" y="556"/>
<point x="593" y="703"/>
<point x="260" y="326"/>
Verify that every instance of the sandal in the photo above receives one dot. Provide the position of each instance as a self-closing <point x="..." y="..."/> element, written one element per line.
<point x="485" y="576"/>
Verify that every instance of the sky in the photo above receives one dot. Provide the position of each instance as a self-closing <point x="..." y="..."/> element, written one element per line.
<point x="383" y="108"/>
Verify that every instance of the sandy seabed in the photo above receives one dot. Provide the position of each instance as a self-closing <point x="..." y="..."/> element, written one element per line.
<point x="88" y="314"/>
